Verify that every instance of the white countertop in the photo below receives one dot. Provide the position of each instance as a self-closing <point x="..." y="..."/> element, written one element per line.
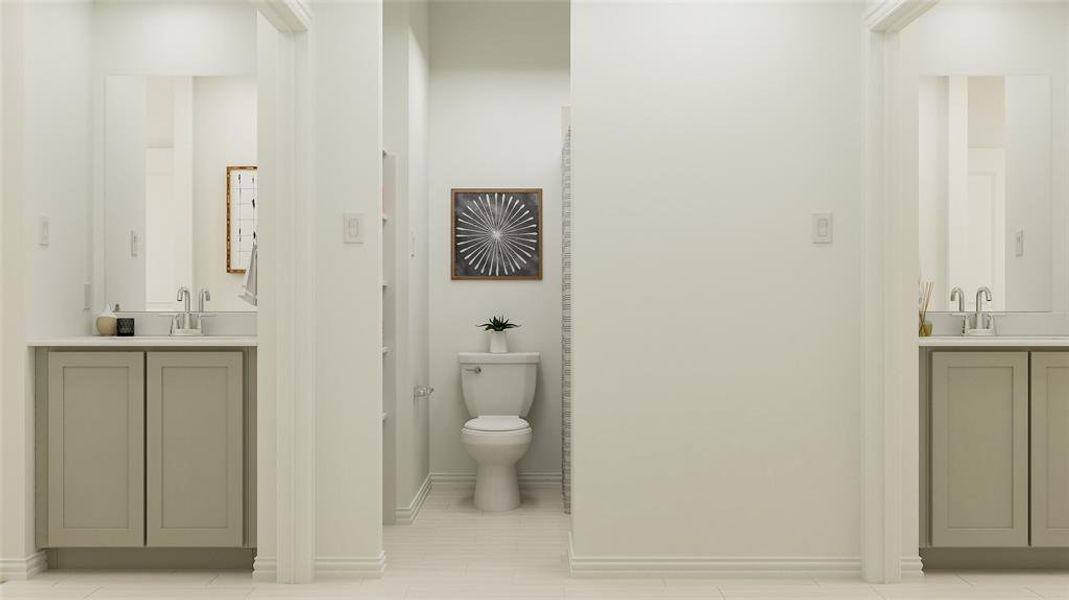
<point x="994" y="341"/>
<point x="143" y="341"/>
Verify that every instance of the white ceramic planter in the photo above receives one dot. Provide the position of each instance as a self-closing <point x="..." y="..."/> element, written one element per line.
<point x="499" y="343"/>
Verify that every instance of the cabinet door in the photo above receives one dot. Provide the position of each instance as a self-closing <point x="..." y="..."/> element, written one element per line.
<point x="980" y="449"/>
<point x="195" y="441"/>
<point x="1050" y="449"/>
<point x="96" y="449"/>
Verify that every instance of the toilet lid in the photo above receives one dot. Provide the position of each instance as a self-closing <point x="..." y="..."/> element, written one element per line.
<point x="496" y="423"/>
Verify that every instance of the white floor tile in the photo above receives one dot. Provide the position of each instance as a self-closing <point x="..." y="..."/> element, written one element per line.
<point x="453" y="551"/>
<point x="12" y="590"/>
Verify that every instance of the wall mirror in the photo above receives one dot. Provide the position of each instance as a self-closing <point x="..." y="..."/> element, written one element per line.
<point x="179" y="189"/>
<point x="987" y="216"/>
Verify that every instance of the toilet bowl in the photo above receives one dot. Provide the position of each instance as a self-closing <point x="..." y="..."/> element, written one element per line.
<point x="498" y="391"/>
<point x="496" y="444"/>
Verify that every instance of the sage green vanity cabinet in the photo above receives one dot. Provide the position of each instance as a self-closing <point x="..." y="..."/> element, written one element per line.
<point x="1050" y="449"/>
<point x="95" y="449"/>
<point x="194" y="454"/>
<point x="979" y="452"/>
<point x="144" y="448"/>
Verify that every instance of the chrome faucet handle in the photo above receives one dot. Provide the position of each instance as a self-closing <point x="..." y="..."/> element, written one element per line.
<point x="205" y="296"/>
<point x="982" y="323"/>
<point x="959" y="295"/>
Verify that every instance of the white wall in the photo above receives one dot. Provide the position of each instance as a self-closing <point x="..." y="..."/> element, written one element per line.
<point x="419" y="298"/>
<point x="1037" y="280"/>
<point x="347" y="105"/>
<point x="175" y="38"/>
<point x="122" y="207"/>
<point x="987" y="112"/>
<point x="717" y="410"/>
<point x="5" y="321"/>
<point x="168" y="240"/>
<point x="46" y="172"/>
<point x="57" y="175"/>
<point x="1019" y="38"/>
<point x="499" y="77"/>
<point x="405" y="75"/>
<point x="224" y="134"/>
<point x="271" y="111"/>
<point x="932" y="193"/>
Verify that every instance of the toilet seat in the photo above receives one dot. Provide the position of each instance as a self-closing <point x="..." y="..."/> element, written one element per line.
<point x="497" y="424"/>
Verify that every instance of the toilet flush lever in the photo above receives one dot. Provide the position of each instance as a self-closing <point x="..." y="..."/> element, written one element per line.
<point x="476" y="369"/>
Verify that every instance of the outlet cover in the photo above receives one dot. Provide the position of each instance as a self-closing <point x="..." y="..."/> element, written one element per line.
<point x="822" y="228"/>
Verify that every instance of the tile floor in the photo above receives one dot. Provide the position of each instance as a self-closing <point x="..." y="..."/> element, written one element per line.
<point x="453" y="551"/>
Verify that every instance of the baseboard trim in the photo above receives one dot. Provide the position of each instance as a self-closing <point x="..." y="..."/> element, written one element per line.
<point x="349" y="566"/>
<point x="912" y="568"/>
<point x="20" y="569"/>
<point x="264" y="569"/>
<point x="159" y="559"/>
<point x="773" y="567"/>
<point x="996" y="559"/>
<point x="405" y="515"/>
<point x="527" y="480"/>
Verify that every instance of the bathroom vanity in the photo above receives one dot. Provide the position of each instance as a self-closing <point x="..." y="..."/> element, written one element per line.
<point x="145" y="443"/>
<point x="994" y="449"/>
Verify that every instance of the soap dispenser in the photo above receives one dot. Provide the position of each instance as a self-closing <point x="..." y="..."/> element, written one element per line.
<point x="107" y="323"/>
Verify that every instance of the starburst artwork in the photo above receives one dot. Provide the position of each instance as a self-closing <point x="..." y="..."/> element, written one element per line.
<point x="497" y="234"/>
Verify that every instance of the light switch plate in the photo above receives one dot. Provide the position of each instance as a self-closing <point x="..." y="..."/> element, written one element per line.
<point x="353" y="228"/>
<point x="822" y="228"/>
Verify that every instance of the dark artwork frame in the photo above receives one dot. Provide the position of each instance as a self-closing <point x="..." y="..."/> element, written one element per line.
<point x="496" y="233"/>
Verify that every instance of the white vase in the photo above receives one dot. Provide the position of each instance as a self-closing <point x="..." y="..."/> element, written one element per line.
<point x="107" y="323"/>
<point x="499" y="344"/>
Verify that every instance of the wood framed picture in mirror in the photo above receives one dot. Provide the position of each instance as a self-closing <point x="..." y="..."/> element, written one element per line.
<point x="240" y="216"/>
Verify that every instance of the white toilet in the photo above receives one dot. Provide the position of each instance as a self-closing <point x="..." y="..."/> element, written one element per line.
<point x="498" y="390"/>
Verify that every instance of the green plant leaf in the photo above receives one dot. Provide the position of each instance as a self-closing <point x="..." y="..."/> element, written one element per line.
<point x="497" y="323"/>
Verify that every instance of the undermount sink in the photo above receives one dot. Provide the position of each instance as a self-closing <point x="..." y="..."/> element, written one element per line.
<point x="979" y="332"/>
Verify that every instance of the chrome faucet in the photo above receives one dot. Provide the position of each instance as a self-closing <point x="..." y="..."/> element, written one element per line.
<point x="185" y="320"/>
<point x="959" y="295"/>
<point x="981" y="320"/>
<point x="204" y="296"/>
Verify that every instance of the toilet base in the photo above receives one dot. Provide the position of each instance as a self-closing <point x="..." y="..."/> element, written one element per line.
<point x="496" y="488"/>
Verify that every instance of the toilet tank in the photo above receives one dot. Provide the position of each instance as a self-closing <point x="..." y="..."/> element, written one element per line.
<point x="498" y="384"/>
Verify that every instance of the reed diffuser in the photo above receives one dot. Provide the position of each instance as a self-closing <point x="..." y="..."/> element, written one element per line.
<point x="924" y="298"/>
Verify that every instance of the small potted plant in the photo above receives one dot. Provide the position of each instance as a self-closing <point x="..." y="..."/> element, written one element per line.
<point x="497" y="326"/>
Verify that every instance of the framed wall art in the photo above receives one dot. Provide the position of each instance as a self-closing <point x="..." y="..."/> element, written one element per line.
<point x="240" y="217"/>
<point x="497" y="233"/>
